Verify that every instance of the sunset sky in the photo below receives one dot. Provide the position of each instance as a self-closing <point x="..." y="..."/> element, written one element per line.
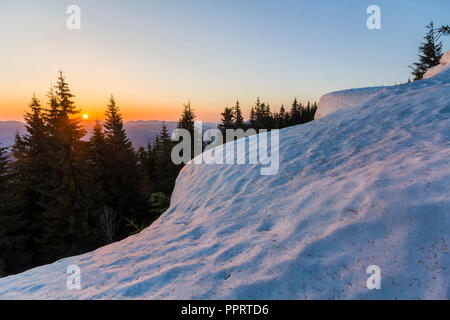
<point x="156" y="55"/>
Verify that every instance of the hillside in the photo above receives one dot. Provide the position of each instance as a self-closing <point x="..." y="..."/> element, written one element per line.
<point x="338" y="100"/>
<point x="367" y="185"/>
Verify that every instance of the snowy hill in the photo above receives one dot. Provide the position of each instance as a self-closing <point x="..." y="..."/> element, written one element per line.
<point x="338" y="100"/>
<point x="368" y="185"/>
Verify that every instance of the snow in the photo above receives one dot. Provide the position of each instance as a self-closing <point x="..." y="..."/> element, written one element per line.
<point x="338" y="100"/>
<point x="444" y="65"/>
<point x="435" y="70"/>
<point x="367" y="185"/>
<point x="445" y="58"/>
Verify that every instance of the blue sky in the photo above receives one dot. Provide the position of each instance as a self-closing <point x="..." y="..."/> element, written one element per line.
<point x="156" y="55"/>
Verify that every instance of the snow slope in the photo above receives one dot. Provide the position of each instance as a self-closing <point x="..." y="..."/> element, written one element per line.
<point x="444" y="64"/>
<point x="338" y="100"/>
<point x="368" y="185"/>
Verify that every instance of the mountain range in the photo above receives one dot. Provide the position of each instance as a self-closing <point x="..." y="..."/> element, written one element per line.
<point x="140" y="133"/>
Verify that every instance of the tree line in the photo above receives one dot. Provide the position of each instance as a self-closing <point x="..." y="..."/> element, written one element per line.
<point x="430" y="51"/>
<point x="62" y="195"/>
<point x="261" y="116"/>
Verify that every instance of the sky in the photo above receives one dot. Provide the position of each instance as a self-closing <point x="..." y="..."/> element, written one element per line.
<point x="154" y="56"/>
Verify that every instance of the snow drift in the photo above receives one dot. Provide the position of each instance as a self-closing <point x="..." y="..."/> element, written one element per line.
<point x="339" y="100"/>
<point x="364" y="186"/>
<point x="444" y="64"/>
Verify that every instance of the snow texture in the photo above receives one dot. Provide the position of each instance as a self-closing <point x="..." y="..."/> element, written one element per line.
<point x="368" y="185"/>
<point x="338" y="100"/>
<point x="445" y="58"/>
<point x="444" y="65"/>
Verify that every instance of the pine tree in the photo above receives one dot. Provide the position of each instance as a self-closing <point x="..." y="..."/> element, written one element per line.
<point x="430" y="53"/>
<point x="160" y="173"/>
<point x="259" y="112"/>
<point x="14" y="255"/>
<point x="66" y="220"/>
<point x="187" y="122"/>
<point x="252" y="118"/>
<point x="166" y="171"/>
<point x="442" y="31"/>
<point x="122" y="183"/>
<point x="238" y="118"/>
<point x="3" y="166"/>
<point x="97" y="148"/>
<point x="148" y="160"/>
<point x="158" y="202"/>
<point x="275" y="120"/>
<point x="313" y="111"/>
<point x="268" y="118"/>
<point x="36" y="137"/>
<point x="226" y="121"/>
<point x="306" y="113"/>
<point x="145" y="168"/>
<point x="33" y="170"/>
<point x="66" y="105"/>
<point x="53" y="111"/>
<point x="114" y="130"/>
<point x="262" y="116"/>
<point x="282" y="121"/>
<point x="30" y="172"/>
<point x="96" y="200"/>
<point x="295" y="113"/>
<point x="187" y="118"/>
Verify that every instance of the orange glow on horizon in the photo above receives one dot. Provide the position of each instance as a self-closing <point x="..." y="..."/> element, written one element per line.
<point x="133" y="105"/>
<point x="130" y="110"/>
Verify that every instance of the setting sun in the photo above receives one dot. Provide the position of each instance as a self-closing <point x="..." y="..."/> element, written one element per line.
<point x="85" y="116"/>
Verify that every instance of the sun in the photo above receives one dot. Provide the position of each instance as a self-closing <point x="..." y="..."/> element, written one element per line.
<point x="85" y="116"/>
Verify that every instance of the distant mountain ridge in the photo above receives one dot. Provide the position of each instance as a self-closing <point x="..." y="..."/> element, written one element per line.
<point x="8" y="130"/>
<point x="139" y="132"/>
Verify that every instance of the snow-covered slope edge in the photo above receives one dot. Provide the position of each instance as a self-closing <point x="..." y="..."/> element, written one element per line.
<point x="444" y="64"/>
<point x="338" y="100"/>
<point x="364" y="186"/>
